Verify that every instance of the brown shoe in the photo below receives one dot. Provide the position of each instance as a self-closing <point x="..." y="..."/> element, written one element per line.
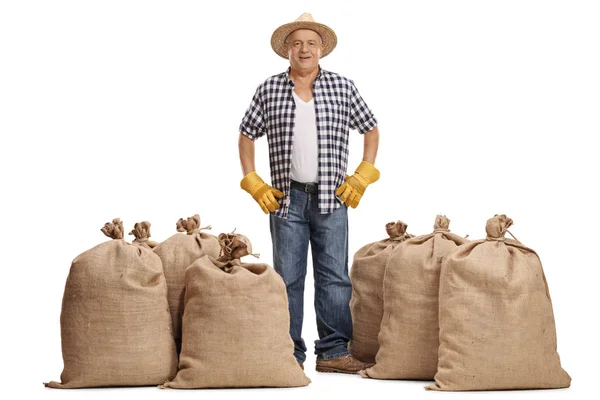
<point x="345" y="365"/>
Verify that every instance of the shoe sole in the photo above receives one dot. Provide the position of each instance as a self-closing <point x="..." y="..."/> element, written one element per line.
<point x="329" y="369"/>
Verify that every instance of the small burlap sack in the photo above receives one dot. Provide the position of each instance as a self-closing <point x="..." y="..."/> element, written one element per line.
<point x="409" y="330"/>
<point x="235" y="325"/>
<point x="177" y="253"/>
<point x="496" y="321"/>
<point x="366" y="304"/>
<point x="115" y="321"/>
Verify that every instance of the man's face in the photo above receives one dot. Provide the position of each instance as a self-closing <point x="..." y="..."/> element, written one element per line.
<point x="304" y="49"/>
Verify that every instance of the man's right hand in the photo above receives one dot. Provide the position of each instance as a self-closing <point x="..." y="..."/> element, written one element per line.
<point x="261" y="192"/>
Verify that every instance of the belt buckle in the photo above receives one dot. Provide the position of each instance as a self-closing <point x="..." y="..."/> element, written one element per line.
<point x="309" y="187"/>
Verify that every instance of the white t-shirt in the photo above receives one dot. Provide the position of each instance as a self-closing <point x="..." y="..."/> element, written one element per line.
<point x="305" y="152"/>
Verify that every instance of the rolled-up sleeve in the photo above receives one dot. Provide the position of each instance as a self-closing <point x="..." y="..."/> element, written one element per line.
<point x="253" y="123"/>
<point x="361" y="116"/>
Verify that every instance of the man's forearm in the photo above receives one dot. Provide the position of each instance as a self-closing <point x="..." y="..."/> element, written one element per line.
<point x="371" y="145"/>
<point x="246" y="149"/>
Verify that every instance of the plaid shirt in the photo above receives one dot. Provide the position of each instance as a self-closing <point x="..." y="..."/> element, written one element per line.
<point x="338" y="108"/>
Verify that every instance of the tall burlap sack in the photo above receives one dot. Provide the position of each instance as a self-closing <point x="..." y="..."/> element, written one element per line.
<point x="177" y="253"/>
<point x="409" y="331"/>
<point x="366" y="303"/>
<point x="496" y="320"/>
<point x="115" y="321"/>
<point x="235" y="325"/>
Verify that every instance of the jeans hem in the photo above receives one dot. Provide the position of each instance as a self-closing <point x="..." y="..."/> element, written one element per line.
<point x="300" y="360"/>
<point x="334" y="353"/>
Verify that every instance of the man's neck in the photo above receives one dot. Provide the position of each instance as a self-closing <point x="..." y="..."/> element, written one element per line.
<point x="304" y="77"/>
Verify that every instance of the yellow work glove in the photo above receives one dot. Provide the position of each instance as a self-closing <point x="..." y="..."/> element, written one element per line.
<point x="261" y="192"/>
<point x="352" y="190"/>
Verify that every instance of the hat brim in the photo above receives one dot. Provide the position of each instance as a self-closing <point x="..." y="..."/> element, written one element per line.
<point x="327" y="34"/>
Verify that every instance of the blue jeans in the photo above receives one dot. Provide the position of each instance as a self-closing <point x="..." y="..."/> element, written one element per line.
<point x="328" y="237"/>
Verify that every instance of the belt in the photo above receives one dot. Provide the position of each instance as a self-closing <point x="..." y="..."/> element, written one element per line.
<point x="309" y="187"/>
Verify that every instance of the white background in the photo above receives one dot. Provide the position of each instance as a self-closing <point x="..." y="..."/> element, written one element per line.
<point x="131" y="109"/>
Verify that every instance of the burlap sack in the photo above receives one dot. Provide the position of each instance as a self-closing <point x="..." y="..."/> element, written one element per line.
<point x="115" y="321"/>
<point x="409" y="331"/>
<point x="496" y="320"/>
<point x="177" y="253"/>
<point x="366" y="304"/>
<point x="235" y="325"/>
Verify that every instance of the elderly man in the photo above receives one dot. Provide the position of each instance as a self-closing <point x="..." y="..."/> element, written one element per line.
<point x="306" y="114"/>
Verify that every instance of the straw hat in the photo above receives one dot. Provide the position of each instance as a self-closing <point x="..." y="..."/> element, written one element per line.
<point x="305" y="21"/>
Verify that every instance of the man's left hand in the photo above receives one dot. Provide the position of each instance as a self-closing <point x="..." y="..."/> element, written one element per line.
<point x="352" y="190"/>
